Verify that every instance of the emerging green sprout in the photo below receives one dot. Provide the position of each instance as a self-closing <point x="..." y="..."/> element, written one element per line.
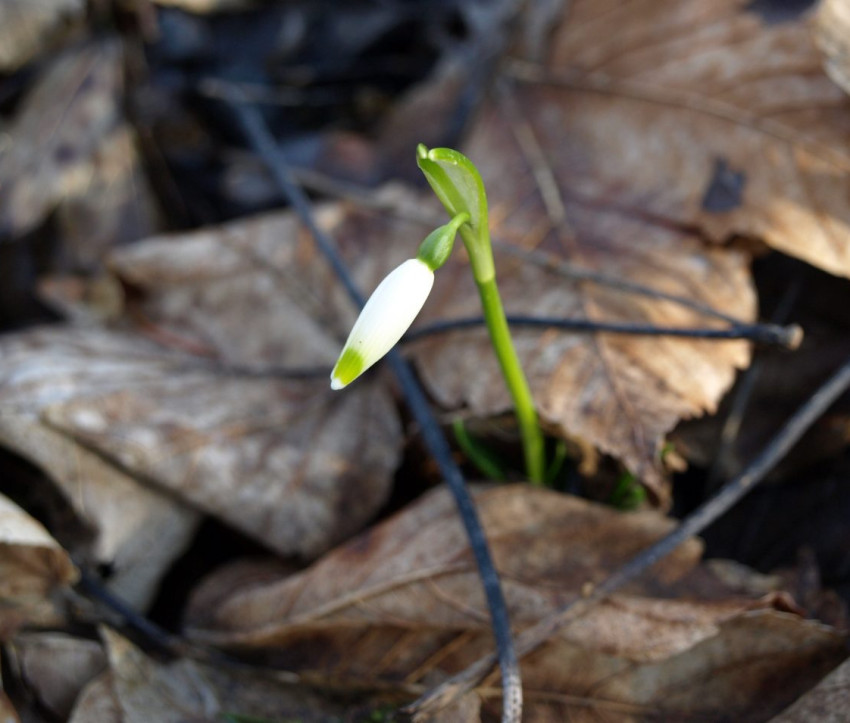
<point x="401" y="295"/>
<point x="393" y="306"/>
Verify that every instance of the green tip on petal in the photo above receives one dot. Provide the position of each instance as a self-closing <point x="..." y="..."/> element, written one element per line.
<point x="347" y="369"/>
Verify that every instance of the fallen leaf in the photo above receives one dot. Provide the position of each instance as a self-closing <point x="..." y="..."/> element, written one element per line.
<point x="827" y="702"/>
<point x="97" y="703"/>
<point x="143" y="690"/>
<point x="416" y="570"/>
<point x="831" y="30"/>
<point x="252" y="292"/>
<point x="618" y="156"/>
<point x="56" y="667"/>
<point x="695" y="115"/>
<point x="752" y="666"/>
<point x="33" y="567"/>
<point x="402" y="602"/>
<point x="27" y="26"/>
<point x="282" y="460"/>
<point x="70" y="147"/>
<point x="138" y="532"/>
<point x="257" y="293"/>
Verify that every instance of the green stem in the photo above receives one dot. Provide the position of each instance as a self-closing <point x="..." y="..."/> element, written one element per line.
<point x="497" y="324"/>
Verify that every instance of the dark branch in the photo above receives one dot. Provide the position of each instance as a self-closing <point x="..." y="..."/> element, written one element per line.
<point x="265" y="147"/>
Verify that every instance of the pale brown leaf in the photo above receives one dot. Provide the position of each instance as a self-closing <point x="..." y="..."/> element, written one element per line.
<point x="697" y="114"/>
<point x="145" y="691"/>
<point x="56" y="667"/>
<point x="832" y="30"/>
<point x="403" y="602"/>
<point x="827" y="702"/>
<point x="416" y="571"/>
<point x="97" y="703"/>
<point x="33" y="567"/>
<point x="70" y="147"/>
<point x="752" y="666"/>
<point x="138" y="532"/>
<point x="28" y="26"/>
<point x="282" y="460"/>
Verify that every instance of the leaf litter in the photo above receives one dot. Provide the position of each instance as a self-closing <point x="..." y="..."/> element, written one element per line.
<point x="638" y="154"/>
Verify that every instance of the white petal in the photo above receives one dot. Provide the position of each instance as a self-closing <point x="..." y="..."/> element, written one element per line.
<point x="387" y="315"/>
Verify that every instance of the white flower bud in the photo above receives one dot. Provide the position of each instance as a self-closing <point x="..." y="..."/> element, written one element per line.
<point x="387" y="315"/>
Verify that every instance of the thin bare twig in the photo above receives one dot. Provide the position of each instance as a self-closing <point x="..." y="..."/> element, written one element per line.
<point x="365" y="198"/>
<point x="531" y="638"/>
<point x="264" y="145"/>
<point x="785" y="336"/>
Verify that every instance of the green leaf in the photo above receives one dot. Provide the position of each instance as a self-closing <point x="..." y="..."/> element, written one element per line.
<point x="457" y="183"/>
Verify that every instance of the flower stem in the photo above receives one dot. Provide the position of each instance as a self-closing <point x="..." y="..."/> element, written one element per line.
<point x="458" y="185"/>
<point x="497" y="324"/>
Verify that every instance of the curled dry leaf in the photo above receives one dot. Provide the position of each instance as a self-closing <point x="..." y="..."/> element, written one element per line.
<point x="690" y="114"/>
<point x="70" y="147"/>
<point x="56" y="667"/>
<point x="26" y="26"/>
<point x="282" y="460"/>
<point x="32" y="568"/>
<point x="403" y="602"/>
<point x="138" y="532"/>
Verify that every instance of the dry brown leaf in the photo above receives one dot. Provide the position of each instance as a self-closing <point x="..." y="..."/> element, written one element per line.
<point x="696" y="114"/>
<point x="97" y="703"/>
<point x="416" y="571"/>
<point x="26" y="26"/>
<point x="832" y="34"/>
<point x="32" y="568"/>
<point x="138" y="532"/>
<point x="402" y="602"/>
<point x="143" y="690"/>
<point x="282" y="460"/>
<point x="649" y="121"/>
<point x="257" y="293"/>
<point x="753" y="665"/>
<point x="56" y="667"/>
<point x="251" y="292"/>
<point x="71" y="148"/>
<point x="827" y="702"/>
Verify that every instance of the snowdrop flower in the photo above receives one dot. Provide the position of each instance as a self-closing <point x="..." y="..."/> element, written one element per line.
<point x="393" y="306"/>
<point x="387" y="315"/>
